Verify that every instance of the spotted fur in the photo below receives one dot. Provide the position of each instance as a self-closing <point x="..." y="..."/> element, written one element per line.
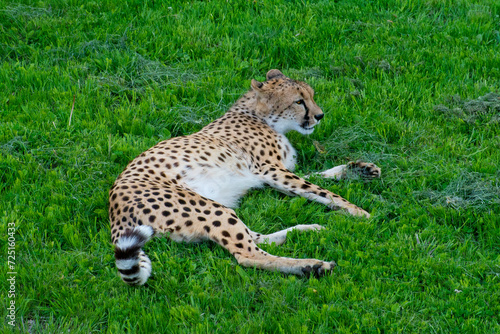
<point x="185" y="187"/>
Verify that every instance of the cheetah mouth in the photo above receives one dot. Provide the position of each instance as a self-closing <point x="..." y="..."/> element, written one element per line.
<point x="306" y="129"/>
<point x="306" y="126"/>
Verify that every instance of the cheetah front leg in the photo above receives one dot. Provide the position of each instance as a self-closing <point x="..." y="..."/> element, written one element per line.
<point x="363" y="169"/>
<point x="287" y="182"/>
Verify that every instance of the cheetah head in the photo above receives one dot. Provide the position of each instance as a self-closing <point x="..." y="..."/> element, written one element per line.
<point x="286" y="104"/>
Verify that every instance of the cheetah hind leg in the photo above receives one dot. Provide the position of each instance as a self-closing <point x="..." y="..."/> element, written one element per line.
<point x="244" y="248"/>
<point x="280" y="237"/>
<point x="363" y="169"/>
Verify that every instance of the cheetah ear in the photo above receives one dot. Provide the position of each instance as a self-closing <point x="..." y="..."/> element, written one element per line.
<point x="257" y="86"/>
<point x="274" y="74"/>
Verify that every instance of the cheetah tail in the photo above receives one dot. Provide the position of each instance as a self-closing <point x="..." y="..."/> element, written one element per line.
<point x="132" y="263"/>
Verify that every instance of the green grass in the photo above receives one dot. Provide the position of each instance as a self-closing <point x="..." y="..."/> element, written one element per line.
<point x="409" y="85"/>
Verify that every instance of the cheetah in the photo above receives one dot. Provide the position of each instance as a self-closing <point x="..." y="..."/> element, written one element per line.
<point x="185" y="187"/>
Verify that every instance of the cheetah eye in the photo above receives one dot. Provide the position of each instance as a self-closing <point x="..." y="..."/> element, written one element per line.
<point x="299" y="102"/>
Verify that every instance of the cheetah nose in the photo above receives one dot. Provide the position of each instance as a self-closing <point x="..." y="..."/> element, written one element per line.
<point x="319" y="116"/>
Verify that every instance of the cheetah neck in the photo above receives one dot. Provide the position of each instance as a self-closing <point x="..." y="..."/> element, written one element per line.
<point x="250" y="104"/>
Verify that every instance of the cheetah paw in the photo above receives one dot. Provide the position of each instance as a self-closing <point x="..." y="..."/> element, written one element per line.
<point x="319" y="269"/>
<point x="364" y="169"/>
<point x="358" y="212"/>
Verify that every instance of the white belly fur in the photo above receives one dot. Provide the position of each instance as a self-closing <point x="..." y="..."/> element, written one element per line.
<point x="222" y="185"/>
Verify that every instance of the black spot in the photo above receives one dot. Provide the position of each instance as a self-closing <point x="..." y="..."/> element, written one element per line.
<point x="202" y="219"/>
<point x="188" y="223"/>
<point x="181" y="201"/>
<point x="322" y="194"/>
<point x="187" y="209"/>
<point x="232" y="221"/>
<point x="216" y="223"/>
<point x="218" y="213"/>
<point x="239" y="236"/>
<point x="147" y="211"/>
<point x="226" y="234"/>
<point x="224" y="241"/>
<point x="140" y="205"/>
<point x="168" y="204"/>
<point x="206" y="228"/>
<point x="152" y="219"/>
<point x="169" y="222"/>
<point x="151" y="200"/>
<point x="156" y="206"/>
<point x="165" y="213"/>
<point x="202" y="202"/>
<point x="185" y="215"/>
<point x="239" y="245"/>
<point x="192" y="202"/>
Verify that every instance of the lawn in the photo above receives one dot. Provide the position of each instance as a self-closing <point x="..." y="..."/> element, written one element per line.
<point x="413" y="86"/>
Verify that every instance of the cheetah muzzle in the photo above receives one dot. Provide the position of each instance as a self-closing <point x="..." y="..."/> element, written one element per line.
<point x="184" y="187"/>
